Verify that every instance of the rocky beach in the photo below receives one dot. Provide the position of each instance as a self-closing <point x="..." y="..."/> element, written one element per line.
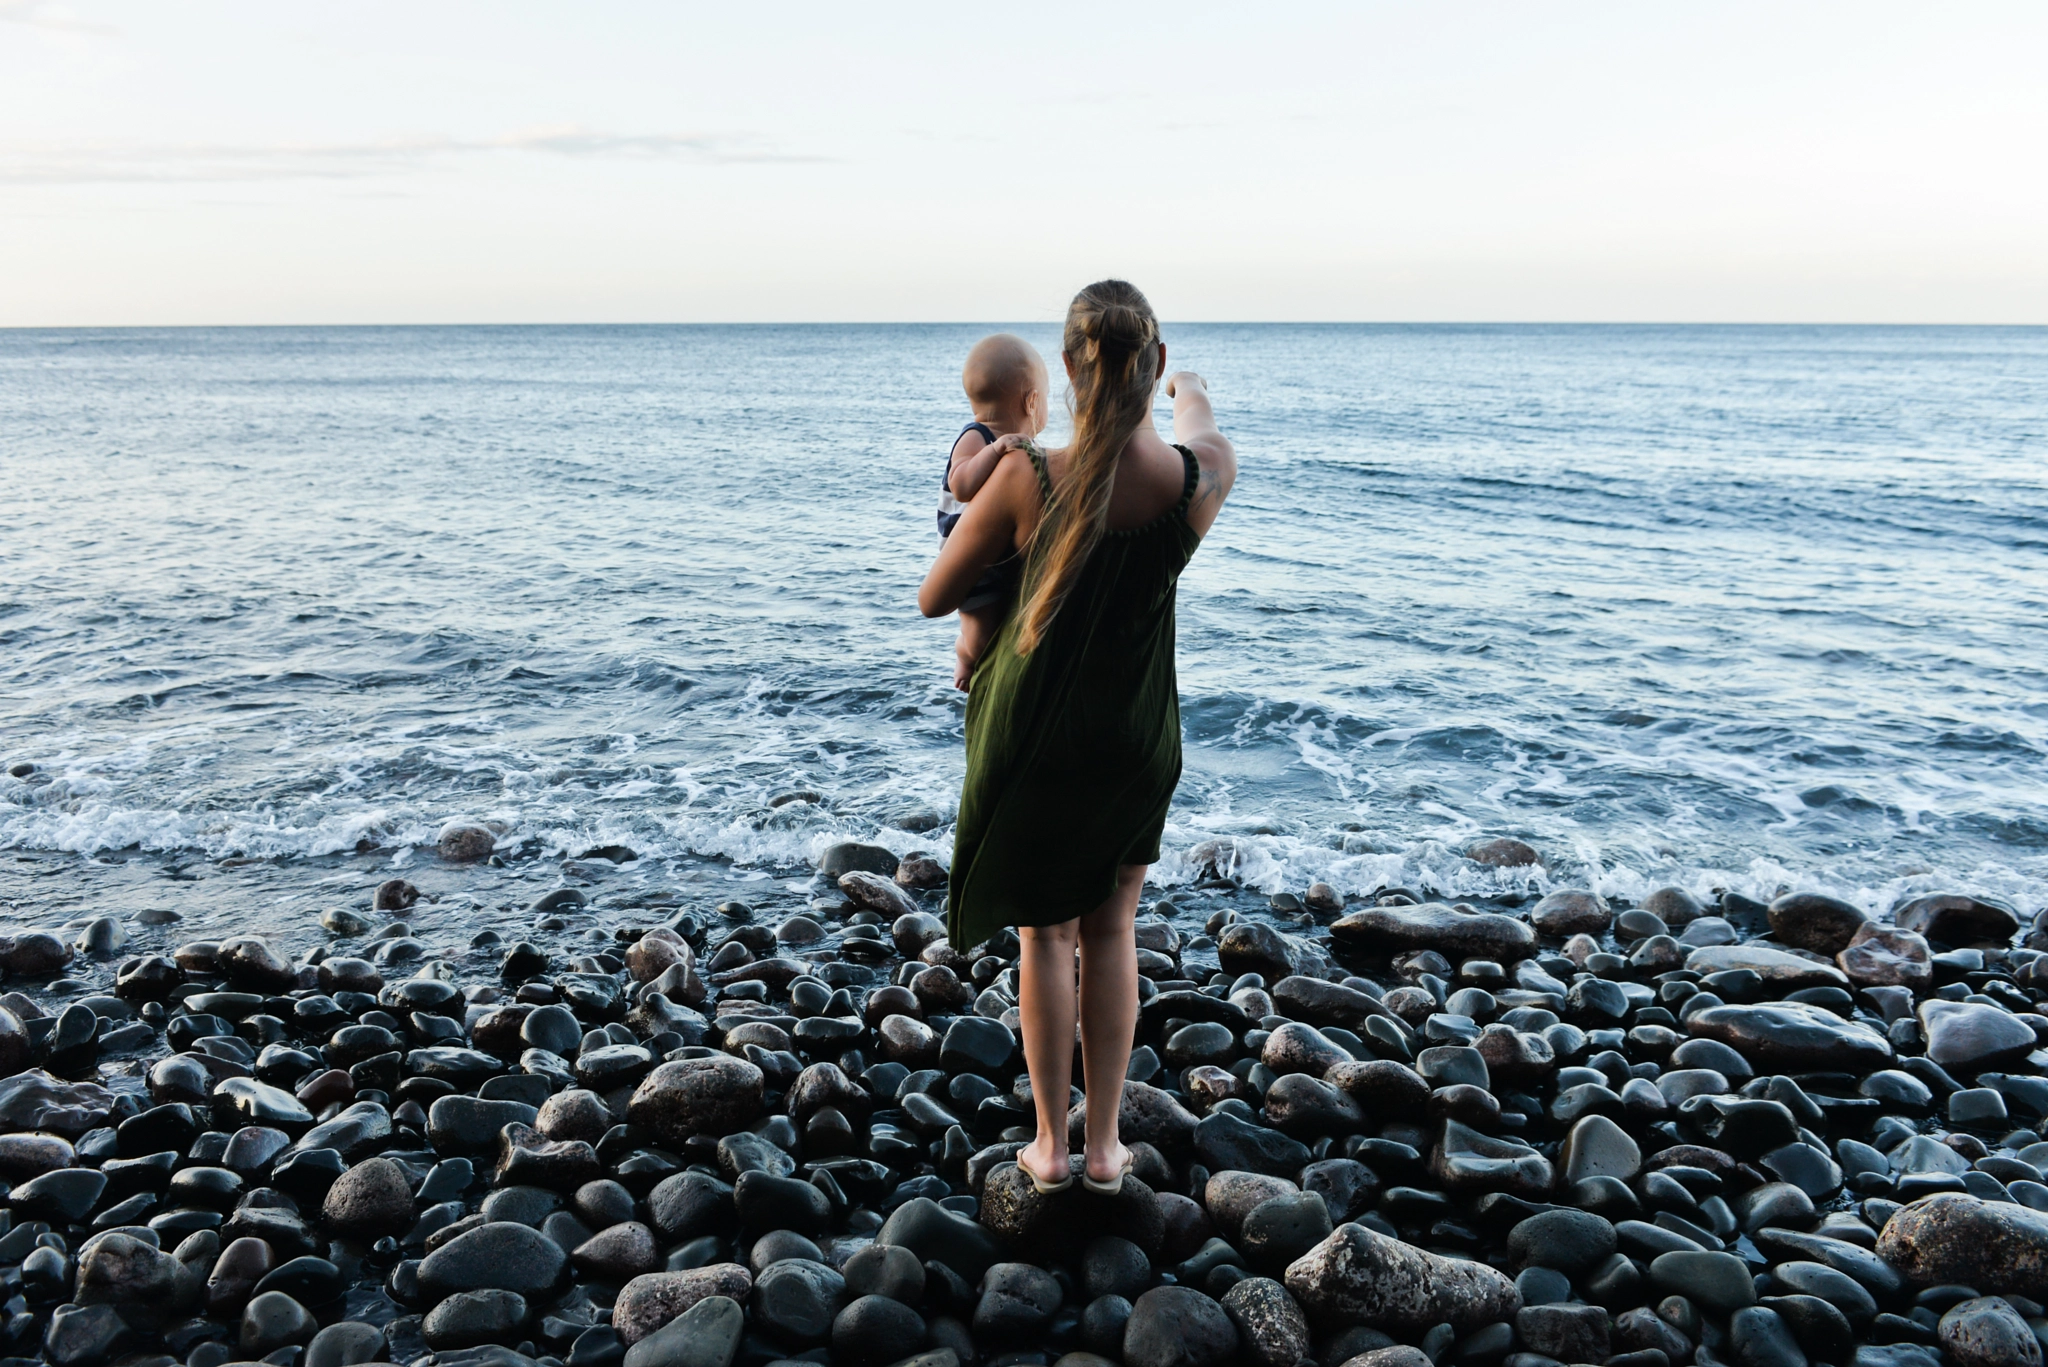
<point x="606" y="1125"/>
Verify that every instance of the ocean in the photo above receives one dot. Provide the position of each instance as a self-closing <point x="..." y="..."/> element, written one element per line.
<point x="1756" y="608"/>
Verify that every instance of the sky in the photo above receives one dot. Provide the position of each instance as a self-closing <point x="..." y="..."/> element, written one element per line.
<point x="225" y="162"/>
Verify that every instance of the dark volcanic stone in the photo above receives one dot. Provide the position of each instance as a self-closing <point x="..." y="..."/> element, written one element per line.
<point x="1271" y="1327"/>
<point x="1282" y="1228"/>
<point x="935" y="1234"/>
<point x="1572" y="1241"/>
<point x="976" y="1044"/>
<point x="371" y="1199"/>
<point x="1177" y="1326"/>
<point x="1967" y="1036"/>
<point x="1568" y="1333"/>
<point x="1224" y="1141"/>
<point x="148" y="1287"/>
<point x="885" y="1270"/>
<point x="1792" y="1037"/>
<point x="1254" y="947"/>
<point x="1955" y="919"/>
<point x="63" y="1197"/>
<point x="1815" y="922"/>
<point x="650" y="1301"/>
<point x="271" y="1321"/>
<point x="689" y="1205"/>
<point x="796" y="1301"/>
<point x="500" y="1254"/>
<point x="468" y="1125"/>
<point x="1392" y="930"/>
<point x="470" y="1318"/>
<point x="765" y="1202"/>
<point x="1356" y="1275"/>
<point x="708" y="1096"/>
<point x="1572" y="911"/>
<point x="1017" y="1301"/>
<point x="874" y="1330"/>
<point x="1988" y="1332"/>
<point x="706" y="1335"/>
<point x="1954" y="1239"/>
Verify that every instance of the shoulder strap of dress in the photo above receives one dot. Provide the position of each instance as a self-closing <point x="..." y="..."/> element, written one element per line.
<point x="1038" y="464"/>
<point x="1187" y="491"/>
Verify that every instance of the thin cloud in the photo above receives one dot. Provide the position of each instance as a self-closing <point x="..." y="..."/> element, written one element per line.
<point x="42" y="14"/>
<point x="189" y="162"/>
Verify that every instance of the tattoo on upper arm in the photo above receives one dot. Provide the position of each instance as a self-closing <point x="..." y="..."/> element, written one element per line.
<point x="1208" y="485"/>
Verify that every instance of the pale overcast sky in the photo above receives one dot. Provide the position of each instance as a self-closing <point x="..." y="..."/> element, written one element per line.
<point x="224" y="162"/>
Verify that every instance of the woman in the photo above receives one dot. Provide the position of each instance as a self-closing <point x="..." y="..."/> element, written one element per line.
<point x="1073" y="717"/>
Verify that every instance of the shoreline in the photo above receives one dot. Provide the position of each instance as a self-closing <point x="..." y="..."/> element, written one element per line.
<point x="1398" y="1085"/>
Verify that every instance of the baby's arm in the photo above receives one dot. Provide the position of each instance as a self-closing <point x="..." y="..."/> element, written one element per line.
<point x="971" y="470"/>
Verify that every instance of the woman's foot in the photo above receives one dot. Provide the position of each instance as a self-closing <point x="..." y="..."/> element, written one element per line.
<point x="1045" y="1163"/>
<point x="1107" y="1165"/>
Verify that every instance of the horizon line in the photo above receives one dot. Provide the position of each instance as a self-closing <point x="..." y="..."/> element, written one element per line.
<point x="1046" y="322"/>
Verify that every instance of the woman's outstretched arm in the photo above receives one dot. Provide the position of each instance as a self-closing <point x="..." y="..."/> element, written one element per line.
<point x="1194" y="426"/>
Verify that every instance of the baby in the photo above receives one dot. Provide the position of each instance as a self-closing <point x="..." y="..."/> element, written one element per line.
<point x="1005" y="382"/>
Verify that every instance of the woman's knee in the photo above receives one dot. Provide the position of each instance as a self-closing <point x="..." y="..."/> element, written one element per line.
<point x="1061" y="936"/>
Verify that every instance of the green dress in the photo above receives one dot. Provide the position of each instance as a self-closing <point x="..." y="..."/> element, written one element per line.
<point x="1073" y="751"/>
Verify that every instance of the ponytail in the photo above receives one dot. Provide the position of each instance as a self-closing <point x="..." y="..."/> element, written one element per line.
<point x="1112" y="339"/>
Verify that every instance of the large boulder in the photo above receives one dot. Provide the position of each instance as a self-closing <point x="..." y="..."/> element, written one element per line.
<point x="649" y="1302"/>
<point x="1358" y="1276"/>
<point x="1954" y="1239"/>
<point x="1793" y="1037"/>
<point x="1456" y="934"/>
<point x="708" y="1096"/>
<point x="499" y="1255"/>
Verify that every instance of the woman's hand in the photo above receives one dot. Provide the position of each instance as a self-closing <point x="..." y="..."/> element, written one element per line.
<point x="1181" y="378"/>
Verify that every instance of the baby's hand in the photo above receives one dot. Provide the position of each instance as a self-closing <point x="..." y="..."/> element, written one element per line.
<point x="1008" y="442"/>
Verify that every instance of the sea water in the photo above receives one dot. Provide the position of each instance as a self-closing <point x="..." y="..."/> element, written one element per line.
<point x="1757" y="608"/>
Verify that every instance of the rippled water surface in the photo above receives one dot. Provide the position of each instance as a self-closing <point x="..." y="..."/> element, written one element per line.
<point x="1719" y="606"/>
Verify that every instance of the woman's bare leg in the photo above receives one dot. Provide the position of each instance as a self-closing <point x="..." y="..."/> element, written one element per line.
<point x="1109" y="1016"/>
<point x="1045" y="1002"/>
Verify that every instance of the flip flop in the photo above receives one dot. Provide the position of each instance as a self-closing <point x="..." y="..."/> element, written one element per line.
<point x="1114" y="1184"/>
<point x="1045" y="1188"/>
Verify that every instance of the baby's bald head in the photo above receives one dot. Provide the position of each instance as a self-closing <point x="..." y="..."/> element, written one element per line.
<point x="1001" y="372"/>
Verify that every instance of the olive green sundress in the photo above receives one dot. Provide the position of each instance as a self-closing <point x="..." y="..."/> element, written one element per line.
<point x="1073" y="751"/>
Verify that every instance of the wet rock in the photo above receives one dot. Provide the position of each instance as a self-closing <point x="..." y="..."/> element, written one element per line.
<point x="1572" y="1241"/>
<point x="1176" y="1326"/>
<point x="1793" y="1037"/>
<point x="371" y="1199"/>
<point x="1017" y="1301"/>
<point x="1306" y="1107"/>
<point x="346" y="1344"/>
<point x="1357" y="1275"/>
<point x="874" y="1330"/>
<point x="1988" y="1332"/>
<point x="796" y="1300"/>
<point x="470" y="1318"/>
<point x="1718" y="1281"/>
<point x="148" y="1287"/>
<point x="709" y="1096"/>
<point x="34" y="1100"/>
<point x="1880" y="956"/>
<point x="33" y="954"/>
<point x="1968" y="1036"/>
<point x="1458" y="935"/>
<point x="1572" y="911"/>
<point x="63" y="1197"/>
<point x="648" y="1302"/>
<point x="464" y="842"/>
<point x="1282" y="1228"/>
<point x="272" y="1321"/>
<point x="850" y="856"/>
<point x="470" y="1125"/>
<point x="23" y="1156"/>
<point x="1568" y="1333"/>
<point x="1503" y="852"/>
<point x="706" y="1335"/>
<point x="1597" y="1147"/>
<point x="1145" y="1115"/>
<point x="619" y="1253"/>
<point x="1759" y="1338"/>
<point x="876" y="893"/>
<point x="884" y="1270"/>
<point x="1222" y="1141"/>
<point x="500" y="1254"/>
<point x="1321" y="1002"/>
<point x="1466" y="1160"/>
<point x="1956" y="919"/>
<point x="1254" y="947"/>
<point x="935" y="1234"/>
<point x="1954" y="1239"/>
<point x="1816" y="922"/>
<point x="1781" y="969"/>
<point x="1270" y="1326"/>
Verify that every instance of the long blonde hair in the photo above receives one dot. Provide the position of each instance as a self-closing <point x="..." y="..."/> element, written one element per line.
<point x="1112" y="339"/>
